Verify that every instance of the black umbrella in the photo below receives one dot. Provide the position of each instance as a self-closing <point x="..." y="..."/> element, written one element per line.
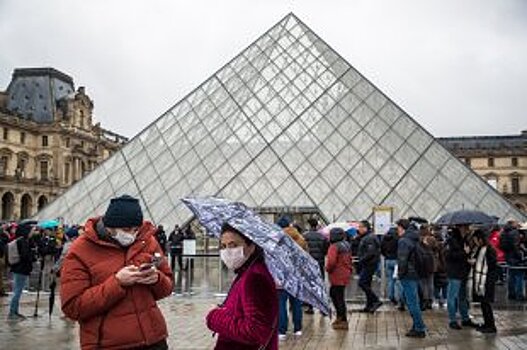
<point x="466" y="217"/>
<point x="52" y="287"/>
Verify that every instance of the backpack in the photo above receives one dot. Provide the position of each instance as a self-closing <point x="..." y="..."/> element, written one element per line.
<point x="506" y="242"/>
<point x="424" y="260"/>
<point x="13" y="256"/>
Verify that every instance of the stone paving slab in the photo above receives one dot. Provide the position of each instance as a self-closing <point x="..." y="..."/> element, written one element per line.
<point x="185" y="317"/>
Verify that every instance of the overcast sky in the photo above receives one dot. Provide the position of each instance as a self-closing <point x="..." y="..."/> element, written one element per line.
<point x="459" y="67"/>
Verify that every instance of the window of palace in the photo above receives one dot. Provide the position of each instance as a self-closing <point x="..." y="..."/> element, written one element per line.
<point x="22" y="137"/>
<point x="44" y="170"/>
<point x="490" y="162"/>
<point x="467" y="161"/>
<point x="67" y="142"/>
<point x="44" y="141"/>
<point x="6" y="133"/>
<point x="3" y="165"/>
<point x="67" y="173"/>
<point x="515" y="185"/>
<point x="514" y="161"/>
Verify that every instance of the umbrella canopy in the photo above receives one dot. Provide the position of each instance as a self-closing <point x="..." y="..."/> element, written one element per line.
<point x="294" y="269"/>
<point x="465" y="217"/>
<point x="48" y="224"/>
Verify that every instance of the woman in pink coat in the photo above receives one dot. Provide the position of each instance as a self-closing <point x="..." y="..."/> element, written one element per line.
<point x="248" y="318"/>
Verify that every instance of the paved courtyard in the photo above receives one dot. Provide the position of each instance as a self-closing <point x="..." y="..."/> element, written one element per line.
<point x="199" y="291"/>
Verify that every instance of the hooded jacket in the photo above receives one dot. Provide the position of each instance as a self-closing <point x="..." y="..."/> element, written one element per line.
<point x="405" y="254"/>
<point x="456" y="258"/>
<point x="369" y="253"/>
<point x="339" y="262"/>
<point x="111" y="316"/>
<point x="317" y="245"/>
<point x="246" y="319"/>
<point x="389" y="245"/>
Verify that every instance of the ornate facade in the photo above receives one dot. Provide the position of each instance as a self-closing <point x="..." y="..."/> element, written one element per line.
<point x="48" y="140"/>
<point x="500" y="160"/>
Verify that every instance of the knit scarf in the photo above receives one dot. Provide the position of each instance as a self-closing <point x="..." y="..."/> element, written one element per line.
<point x="480" y="272"/>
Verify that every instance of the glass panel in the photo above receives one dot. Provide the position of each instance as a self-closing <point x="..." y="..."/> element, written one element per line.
<point x="406" y="156"/>
<point x="153" y="192"/>
<point x="437" y="155"/>
<point x="348" y="188"/>
<point x="420" y="140"/>
<point x="116" y="161"/>
<point x="423" y="171"/>
<point x="362" y="172"/>
<point x="362" y="142"/>
<point x="333" y="173"/>
<point x="120" y="177"/>
<point x="318" y="189"/>
<point x="332" y="206"/>
<point x="129" y="188"/>
<point x="362" y="206"/>
<point x="277" y="174"/>
<point x="376" y="100"/>
<point x="320" y="158"/>
<point x="441" y="189"/>
<point x="101" y="193"/>
<point x="404" y="126"/>
<point x="454" y="171"/>
<point x="363" y="89"/>
<point x="391" y="141"/>
<point x="389" y="113"/>
<point x="408" y="189"/>
<point x="160" y="209"/>
<point x="457" y="202"/>
<point x="171" y="176"/>
<point x="377" y="189"/>
<point x="426" y="206"/>
<point x="260" y="191"/>
<point x="145" y="177"/>
<point x="376" y="128"/>
<point x="335" y="143"/>
<point x="132" y="148"/>
<point x="473" y="187"/>
<point x="377" y="157"/>
<point x="348" y="157"/>
<point x="351" y="78"/>
<point x="197" y="176"/>
<point x="392" y="172"/>
<point x="363" y="114"/>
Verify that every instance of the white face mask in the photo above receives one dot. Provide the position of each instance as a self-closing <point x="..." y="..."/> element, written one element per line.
<point x="233" y="257"/>
<point x="124" y="238"/>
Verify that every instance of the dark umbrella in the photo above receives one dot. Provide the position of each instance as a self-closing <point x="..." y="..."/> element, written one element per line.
<point x="465" y="217"/>
<point x="52" y="287"/>
<point x="294" y="269"/>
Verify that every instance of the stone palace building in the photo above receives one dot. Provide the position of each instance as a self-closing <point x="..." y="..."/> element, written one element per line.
<point x="500" y="160"/>
<point x="48" y="140"/>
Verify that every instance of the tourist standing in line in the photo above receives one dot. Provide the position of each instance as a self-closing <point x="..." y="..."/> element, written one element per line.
<point x="369" y="254"/>
<point x="408" y="240"/>
<point x="484" y="278"/>
<point x="339" y="268"/>
<point x="317" y="247"/>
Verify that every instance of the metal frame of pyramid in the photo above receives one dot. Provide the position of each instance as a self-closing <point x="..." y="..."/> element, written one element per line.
<point x="286" y="123"/>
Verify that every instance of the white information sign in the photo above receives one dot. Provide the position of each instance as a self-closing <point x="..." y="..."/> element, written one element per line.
<point x="189" y="247"/>
<point x="382" y="219"/>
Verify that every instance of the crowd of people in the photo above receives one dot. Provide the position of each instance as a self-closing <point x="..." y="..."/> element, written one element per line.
<point x="113" y="271"/>
<point x="425" y="267"/>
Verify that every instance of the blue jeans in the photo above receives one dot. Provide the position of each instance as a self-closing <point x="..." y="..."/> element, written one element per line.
<point x="457" y="298"/>
<point x="412" y="303"/>
<point x="19" y="282"/>
<point x="389" y="267"/>
<point x="283" y="319"/>
<point x="516" y="283"/>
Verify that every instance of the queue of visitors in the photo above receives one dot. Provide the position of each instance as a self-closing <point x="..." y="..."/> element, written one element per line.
<point x="115" y="262"/>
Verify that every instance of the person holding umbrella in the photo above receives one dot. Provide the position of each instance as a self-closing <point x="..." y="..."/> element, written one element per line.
<point x="247" y="318"/>
<point x="290" y="266"/>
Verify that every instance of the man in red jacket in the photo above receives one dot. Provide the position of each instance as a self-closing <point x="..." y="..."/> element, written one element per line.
<point x="111" y="281"/>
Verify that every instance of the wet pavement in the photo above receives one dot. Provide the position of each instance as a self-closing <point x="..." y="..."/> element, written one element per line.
<point x="200" y="289"/>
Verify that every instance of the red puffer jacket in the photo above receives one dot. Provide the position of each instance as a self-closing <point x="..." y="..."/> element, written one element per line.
<point x="111" y="316"/>
<point x="246" y="319"/>
<point x="339" y="263"/>
<point x="494" y="240"/>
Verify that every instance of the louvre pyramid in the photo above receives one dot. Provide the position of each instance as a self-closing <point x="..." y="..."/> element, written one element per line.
<point x="286" y="123"/>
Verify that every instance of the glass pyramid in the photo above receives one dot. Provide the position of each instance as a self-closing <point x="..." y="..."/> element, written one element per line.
<point x="286" y="123"/>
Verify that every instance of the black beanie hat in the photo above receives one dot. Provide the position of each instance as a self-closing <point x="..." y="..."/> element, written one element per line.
<point x="123" y="211"/>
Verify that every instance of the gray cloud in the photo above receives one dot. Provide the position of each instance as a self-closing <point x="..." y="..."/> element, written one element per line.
<point x="456" y="66"/>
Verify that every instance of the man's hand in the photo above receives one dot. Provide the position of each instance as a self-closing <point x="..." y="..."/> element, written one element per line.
<point x="149" y="276"/>
<point x="128" y="275"/>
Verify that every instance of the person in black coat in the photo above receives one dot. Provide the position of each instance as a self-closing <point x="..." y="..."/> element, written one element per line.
<point x="484" y="278"/>
<point x="369" y="254"/>
<point x="161" y="238"/>
<point x="389" y="251"/>
<point x="317" y="247"/>
<point x="21" y="270"/>
<point x="457" y="255"/>
<point x="176" y="247"/>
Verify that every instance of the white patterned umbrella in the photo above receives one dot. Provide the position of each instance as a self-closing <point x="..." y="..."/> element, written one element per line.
<point x="295" y="270"/>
